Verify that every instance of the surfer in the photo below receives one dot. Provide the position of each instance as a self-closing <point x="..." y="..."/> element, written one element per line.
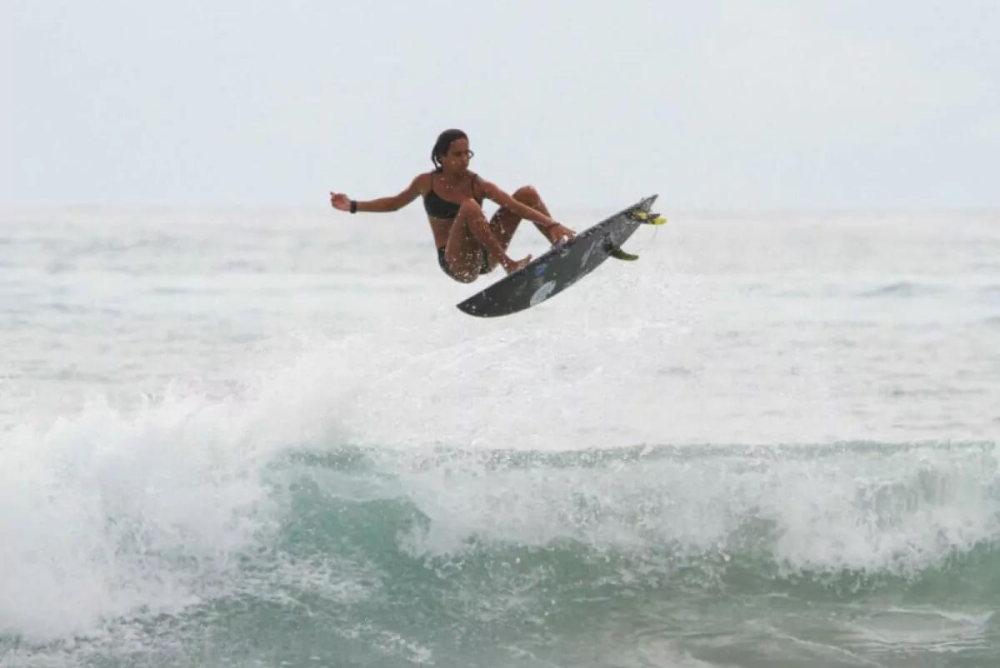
<point x="467" y="244"/>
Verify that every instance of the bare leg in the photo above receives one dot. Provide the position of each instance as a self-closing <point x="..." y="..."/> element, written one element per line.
<point x="506" y="221"/>
<point x="470" y="233"/>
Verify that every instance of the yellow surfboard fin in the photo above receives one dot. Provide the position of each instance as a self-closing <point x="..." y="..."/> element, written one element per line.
<point x="649" y="218"/>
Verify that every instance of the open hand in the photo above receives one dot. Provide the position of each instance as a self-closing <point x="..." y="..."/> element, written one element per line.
<point x="340" y="201"/>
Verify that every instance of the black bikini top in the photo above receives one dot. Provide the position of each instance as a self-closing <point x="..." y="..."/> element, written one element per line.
<point x="438" y="207"/>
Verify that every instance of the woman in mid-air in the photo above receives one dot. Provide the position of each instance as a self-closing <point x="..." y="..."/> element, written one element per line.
<point x="468" y="245"/>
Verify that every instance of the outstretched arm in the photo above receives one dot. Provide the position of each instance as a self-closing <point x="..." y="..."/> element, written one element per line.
<point x="342" y="202"/>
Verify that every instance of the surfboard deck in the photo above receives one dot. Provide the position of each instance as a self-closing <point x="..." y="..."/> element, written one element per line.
<point x="561" y="266"/>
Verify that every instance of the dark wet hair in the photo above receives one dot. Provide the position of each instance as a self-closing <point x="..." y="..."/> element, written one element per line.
<point x="442" y="145"/>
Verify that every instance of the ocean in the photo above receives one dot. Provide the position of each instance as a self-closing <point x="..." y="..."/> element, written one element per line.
<point x="267" y="438"/>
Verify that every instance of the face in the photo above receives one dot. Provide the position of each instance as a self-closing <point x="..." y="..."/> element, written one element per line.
<point x="456" y="160"/>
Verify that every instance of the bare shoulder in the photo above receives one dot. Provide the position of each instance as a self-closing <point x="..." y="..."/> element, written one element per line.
<point x="415" y="189"/>
<point x="491" y="190"/>
<point x="483" y="184"/>
<point x="423" y="182"/>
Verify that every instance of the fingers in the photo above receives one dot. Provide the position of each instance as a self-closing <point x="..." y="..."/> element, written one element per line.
<point x="565" y="232"/>
<point x="339" y="201"/>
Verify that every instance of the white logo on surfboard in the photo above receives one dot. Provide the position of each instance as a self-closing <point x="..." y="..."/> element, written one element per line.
<point x="586" y="255"/>
<point x="542" y="293"/>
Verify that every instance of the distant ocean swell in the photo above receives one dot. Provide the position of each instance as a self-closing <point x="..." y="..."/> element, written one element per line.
<point x="987" y="292"/>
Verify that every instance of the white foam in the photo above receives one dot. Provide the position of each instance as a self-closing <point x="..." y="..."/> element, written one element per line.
<point x="878" y="510"/>
<point x="106" y="512"/>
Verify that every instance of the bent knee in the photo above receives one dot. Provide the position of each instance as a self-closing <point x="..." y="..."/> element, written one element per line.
<point x="462" y="277"/>
<point x="470" y="206"/>
<point x="526" y="195"/>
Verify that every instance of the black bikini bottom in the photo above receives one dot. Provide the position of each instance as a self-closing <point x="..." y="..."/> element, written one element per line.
<point x="484" y="267"/>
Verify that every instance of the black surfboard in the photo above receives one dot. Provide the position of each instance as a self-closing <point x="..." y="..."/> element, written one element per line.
<point x="562" y="266"/>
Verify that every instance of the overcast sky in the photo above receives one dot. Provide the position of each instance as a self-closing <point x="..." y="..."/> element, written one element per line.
<point x="713" y="104"/>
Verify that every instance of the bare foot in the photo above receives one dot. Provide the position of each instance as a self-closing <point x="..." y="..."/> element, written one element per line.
<point x="513" y="265"/>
